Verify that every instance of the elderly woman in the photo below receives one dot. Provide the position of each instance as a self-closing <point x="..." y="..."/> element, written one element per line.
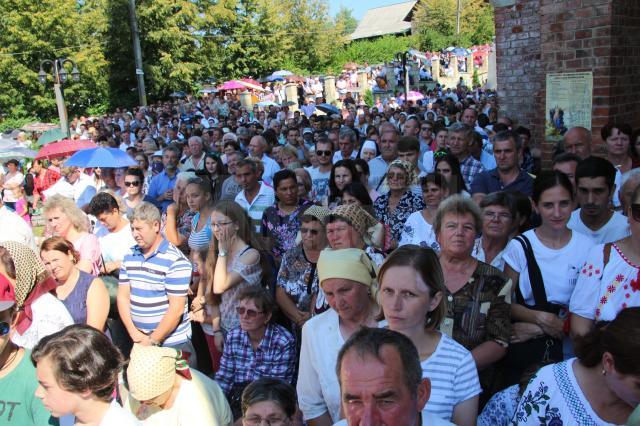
<point x="39" y="312"/>
<point x="347" y="277"/>
<point x="66" y="220"/>
<point x="598" y="387"/>
<point x="297" y="282"/>
<point x="281" y="221"/>
<point x="160" y="389"/>
<point x="271" y="400"/>
<point x="418" y="229"/>
<point x="499" y="213"/>
<point x="412" y="300"/>
<point x="78" y="369"/>
<point x="394" y="207"/>
<point x="258" y="348"/>
<point x="478" y="295"/>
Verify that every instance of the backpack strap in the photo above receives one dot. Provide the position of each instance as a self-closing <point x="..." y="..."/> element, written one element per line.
<point x="606" y="254"/>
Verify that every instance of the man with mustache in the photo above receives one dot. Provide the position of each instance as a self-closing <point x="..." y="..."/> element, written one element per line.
<point x="595" y="187"/>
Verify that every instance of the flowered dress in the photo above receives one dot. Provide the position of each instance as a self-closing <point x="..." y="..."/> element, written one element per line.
<point x="409" y="203"/>
<point x="553" y="398"/>
<point x="419" y="232"/>
<point x="282" y="227"/>
<point x="251" y="275"/>
<point x="603" y="291"/>
<point x="298" y="278"/>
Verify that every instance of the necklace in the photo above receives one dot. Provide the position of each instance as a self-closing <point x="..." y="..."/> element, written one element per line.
<point x="10" y="359"/>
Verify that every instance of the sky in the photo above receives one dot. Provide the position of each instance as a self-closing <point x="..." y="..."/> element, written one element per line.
<point x="359" y="7"/>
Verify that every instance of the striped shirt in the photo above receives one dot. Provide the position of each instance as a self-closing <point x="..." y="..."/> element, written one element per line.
<point x="453" y="374"/>
<point x="255" y="209"/>
<point x="166" y="272"/>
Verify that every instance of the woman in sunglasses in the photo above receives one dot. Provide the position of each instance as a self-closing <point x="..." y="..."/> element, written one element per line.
<point x="256" y="349"/>
<point x="133" y="184"/>
<point x="18" y="381"/>
<point x="609" y="281"/>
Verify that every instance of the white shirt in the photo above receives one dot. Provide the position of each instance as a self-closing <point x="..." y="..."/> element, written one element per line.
<point x="116" y="415"/>
<point x="16" y="180"/>
<point x="14" y="228"/>
<point x="319" y="183"/>
<point x="337" y="156"/>
<point x="559" y="268"/>
<point x="615" y="229"/>
<point x="271" y="167"/>
<point x="115" y="245"/>
<point x="255" y="209"/>
<point x="419" y="232"/>
<point x="49" y="316"/>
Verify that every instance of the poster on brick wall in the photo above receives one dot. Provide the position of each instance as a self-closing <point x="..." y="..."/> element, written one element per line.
<point x="569" y="101"/>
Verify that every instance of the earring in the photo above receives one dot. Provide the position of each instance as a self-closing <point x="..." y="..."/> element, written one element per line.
<point x="604" y="373"/>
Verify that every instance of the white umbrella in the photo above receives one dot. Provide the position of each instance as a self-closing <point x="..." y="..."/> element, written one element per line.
<point x="16" y="152"/>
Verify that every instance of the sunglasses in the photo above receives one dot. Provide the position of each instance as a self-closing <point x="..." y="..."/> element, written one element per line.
<point x="311" y="231"/>
<point x="326" y="153"/>
<point x="635" y="212"/>
<point x="134" y="183"/>
<point x="4" y="328"/>
<point x="251" y="313"/>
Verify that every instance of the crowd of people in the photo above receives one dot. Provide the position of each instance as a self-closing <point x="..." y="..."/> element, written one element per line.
<point x="400" y="264"/>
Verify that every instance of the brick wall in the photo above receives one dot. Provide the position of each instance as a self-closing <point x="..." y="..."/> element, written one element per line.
<point x="602" y="36"/>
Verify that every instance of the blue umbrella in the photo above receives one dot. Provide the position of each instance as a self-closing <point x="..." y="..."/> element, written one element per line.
<point x="328" y="109"/>
<point x="275" y="78"/>
<point x="101" y="157"/>
<point x="282" y="73"/>
<point x="267" y="103"/>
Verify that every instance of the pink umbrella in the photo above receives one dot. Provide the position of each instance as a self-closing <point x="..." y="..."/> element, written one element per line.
<point x="232" y="85"/>
<point x="414" y="96"/>
<point x="251" y="81"/>
<point x="64" y="148"/>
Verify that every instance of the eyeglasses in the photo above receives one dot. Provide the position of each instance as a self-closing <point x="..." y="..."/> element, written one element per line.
<point x="220" y="224"/>
<point x="635" y="212"/>
<point x="326" y="153"/>
<point x="4" y="328"/>
<point x="309" y="230"/>
<point x="134" y="183"/>
<point x="500" y="216"/>
<point x="396" y="176"/>
<point x="255" y="421"/>
<point x="251" y="313"/>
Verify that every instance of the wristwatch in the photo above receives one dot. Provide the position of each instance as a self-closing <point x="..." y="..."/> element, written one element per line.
<point x="222" y="253"/>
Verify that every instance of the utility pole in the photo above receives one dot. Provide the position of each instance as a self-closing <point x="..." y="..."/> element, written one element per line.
<point x="137" y="52"/>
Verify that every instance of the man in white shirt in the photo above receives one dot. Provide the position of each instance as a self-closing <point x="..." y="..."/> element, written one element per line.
<point x="347" y="144"/>
<point x="257" y="148"/>
<point x="118" y="240"/>
<point x="75" y="184"/>
<point x="595" y="218"/>
<point x="195" y="161"/>
<point x="388" y="146"/>
<point x="255" y="196"/>
<point x="14" y="228"/>
<point x="320" y="174"/>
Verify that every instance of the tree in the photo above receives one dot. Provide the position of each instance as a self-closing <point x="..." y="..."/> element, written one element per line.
<point x="33" y="31"/>
<point x="435" y="23"/>
<point x="344" y="18"/>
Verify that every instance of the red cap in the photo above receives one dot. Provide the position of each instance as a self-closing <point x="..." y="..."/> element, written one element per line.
<point x="7" y="294"/>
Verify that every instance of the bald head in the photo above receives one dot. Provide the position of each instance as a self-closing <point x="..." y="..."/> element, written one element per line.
<point x="577" y="140"/>
<point x="257" y="146"/>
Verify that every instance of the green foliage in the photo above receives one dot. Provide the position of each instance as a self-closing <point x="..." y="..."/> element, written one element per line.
<point x="15" y="123"/>
<point x="344" y="19"/>
<point x="476" y="78"/>
<point x="368" y="97"/>
<point x="435" y="22"/>
<point x="375" y="51"/>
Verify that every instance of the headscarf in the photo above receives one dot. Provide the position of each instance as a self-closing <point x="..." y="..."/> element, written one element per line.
<point x="152" y="370"/>
<point x="368" y="144"/>
<point x="349" y="264"/>
<point x="32" y="280"/>
<point x="363" y="223"/>
<point x="319" y="212"/>
<point x="408" y="169"/>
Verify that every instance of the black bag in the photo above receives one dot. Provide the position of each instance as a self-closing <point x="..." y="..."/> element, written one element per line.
<point x="543" y="349"/>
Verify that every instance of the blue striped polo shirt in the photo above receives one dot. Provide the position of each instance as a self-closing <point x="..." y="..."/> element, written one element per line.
<point x="166" y="272"/>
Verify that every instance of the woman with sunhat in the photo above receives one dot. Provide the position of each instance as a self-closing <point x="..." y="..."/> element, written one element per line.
<point x="348" y="279"/>
<point x="161" y="389"/>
